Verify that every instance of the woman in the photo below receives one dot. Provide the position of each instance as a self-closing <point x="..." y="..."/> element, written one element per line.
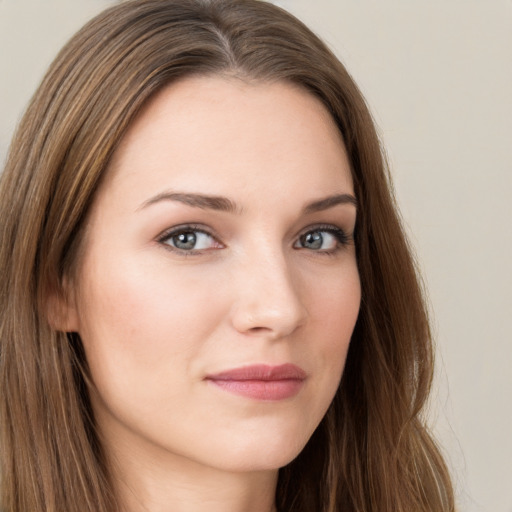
<point x="208" y="302"/>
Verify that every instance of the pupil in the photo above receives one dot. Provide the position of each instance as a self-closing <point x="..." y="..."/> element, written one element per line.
<point x="313" y="240"/>
<point x="185" y="240"/>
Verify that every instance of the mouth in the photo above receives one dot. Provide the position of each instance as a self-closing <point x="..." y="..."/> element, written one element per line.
<point x="261" y="382"/>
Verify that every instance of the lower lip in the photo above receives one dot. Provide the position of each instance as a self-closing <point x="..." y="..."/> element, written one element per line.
<point x="270" y="390"/>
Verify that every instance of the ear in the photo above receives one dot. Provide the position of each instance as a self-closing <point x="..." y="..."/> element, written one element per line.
<point x="61" y="309"/>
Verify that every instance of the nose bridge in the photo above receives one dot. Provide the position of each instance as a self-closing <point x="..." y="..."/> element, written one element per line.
<point x="268" y="293"/>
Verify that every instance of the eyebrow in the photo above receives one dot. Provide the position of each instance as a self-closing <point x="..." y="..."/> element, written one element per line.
<point x="202" y="201"/>
<point x="329" y="202"/>
<point x="223" y="204"/>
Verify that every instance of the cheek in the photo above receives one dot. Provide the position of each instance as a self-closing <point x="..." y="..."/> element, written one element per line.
<point x="333" y="311"/>
<point x="338" y="312"/>
<point x="137" y="321"/>
<point x="334" y="307"/>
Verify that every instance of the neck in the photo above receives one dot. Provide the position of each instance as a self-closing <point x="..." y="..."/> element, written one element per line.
<point x="177" y="484"/>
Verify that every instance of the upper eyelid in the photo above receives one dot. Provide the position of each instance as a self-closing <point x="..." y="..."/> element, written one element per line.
<point x="186" y="227"/>
<point x="205" y="229"/>
<point x="320" y="226"/>
<point x="325" y="227"/>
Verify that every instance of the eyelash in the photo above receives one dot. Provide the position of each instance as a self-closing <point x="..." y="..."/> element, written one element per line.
<point x="186" y="228"/>
<point x="341" y="237"/>
<point x="339" y="234"/>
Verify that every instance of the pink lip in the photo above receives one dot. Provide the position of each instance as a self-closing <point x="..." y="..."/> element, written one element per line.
<point x="261" y="382"/>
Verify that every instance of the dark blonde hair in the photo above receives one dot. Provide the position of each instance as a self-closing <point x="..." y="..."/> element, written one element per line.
<point x="372" y="451"/>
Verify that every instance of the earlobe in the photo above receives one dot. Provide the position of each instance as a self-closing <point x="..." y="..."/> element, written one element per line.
<point x="61" y="310"/>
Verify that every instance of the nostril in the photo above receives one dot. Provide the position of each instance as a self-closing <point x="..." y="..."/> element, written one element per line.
<point x="257" y="330"/>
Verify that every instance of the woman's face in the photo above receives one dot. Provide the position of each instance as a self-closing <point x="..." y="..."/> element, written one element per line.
<point x="218" y="288"/>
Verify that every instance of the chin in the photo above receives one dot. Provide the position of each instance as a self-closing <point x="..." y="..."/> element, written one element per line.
<point x="259" y="451"/>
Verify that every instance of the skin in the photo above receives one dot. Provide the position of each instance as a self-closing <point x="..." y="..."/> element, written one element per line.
<point x="156" y="320"/>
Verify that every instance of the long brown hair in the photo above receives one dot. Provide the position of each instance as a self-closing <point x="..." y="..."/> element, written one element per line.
<point x="372" y="451"/>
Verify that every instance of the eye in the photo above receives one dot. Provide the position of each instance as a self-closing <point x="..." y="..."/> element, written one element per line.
<point x="189" y="239"/>
<point x="322" y="239"/>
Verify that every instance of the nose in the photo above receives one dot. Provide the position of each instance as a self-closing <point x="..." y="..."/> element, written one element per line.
<point x="268" y="298"/>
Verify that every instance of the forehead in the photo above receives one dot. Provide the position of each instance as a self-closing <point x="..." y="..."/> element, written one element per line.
<point x="219" y="134"/>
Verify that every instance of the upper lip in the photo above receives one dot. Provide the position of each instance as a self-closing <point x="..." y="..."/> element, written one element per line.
<point x="262" y="372"/>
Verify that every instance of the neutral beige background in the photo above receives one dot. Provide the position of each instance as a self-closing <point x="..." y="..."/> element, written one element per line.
<point x="438" y="77"/>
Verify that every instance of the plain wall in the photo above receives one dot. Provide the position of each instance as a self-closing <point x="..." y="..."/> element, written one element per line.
<point x="438" y="76"/>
